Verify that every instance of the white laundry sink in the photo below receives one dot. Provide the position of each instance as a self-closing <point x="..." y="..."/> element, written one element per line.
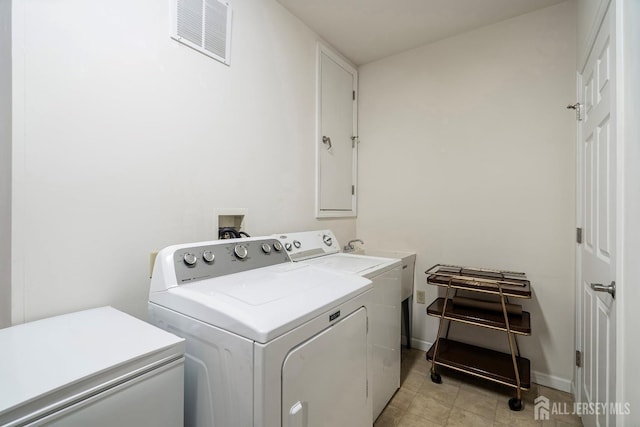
<point x="408" y="265"/>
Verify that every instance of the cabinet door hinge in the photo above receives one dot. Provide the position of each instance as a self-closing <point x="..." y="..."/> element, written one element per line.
<point x="579" y="235"/>
<point x="578" y="358"/>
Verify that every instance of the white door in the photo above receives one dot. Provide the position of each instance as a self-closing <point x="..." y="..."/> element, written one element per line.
<point x="597" y="214"/>
<point x="336" y="145"/>
<point x="324" y="380"/>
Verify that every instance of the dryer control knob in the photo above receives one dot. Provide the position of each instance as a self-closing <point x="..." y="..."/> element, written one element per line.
<point x="327" y="240"/>
<point x="266" y="248"/>
<point x="208" y="256"/>
<point x="240" y="251"/>
<point x="287" y="246"/>
<point x="297" y="244"/>
<point x="190" y="259"/>
<point x="277" y="246"/>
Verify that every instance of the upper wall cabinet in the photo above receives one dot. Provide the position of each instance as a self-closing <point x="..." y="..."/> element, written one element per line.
<point x="336" y="139"/>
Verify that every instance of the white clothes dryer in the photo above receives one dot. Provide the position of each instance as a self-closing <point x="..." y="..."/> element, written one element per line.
<point x="269" y="342"/>
<point x="321" y="249"/>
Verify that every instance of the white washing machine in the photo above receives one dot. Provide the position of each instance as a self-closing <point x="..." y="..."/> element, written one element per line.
<point x="321" y="249"/>
<point x="269" y="342"/>
<point x="97" y="367"/>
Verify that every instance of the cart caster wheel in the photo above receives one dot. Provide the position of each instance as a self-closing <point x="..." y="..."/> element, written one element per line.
<point x="515" y="404"/>
<point x="436" y="378"/>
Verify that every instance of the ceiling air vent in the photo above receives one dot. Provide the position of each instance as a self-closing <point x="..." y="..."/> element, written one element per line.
<point x="204" y="25"/>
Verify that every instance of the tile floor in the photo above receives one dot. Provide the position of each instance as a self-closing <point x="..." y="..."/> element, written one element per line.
<point x="461" y="400"/>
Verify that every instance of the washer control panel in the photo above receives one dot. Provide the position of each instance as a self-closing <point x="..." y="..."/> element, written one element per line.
<point x="214" y="259"/>
<point x="309" y="244"/>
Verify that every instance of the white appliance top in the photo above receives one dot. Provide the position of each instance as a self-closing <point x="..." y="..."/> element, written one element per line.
<point x="241" y="293"/>
<point x="322" y="249"/>
<point x="264" y="303"/>
<point x="45" y="356"/>
<point x="353" y="264"/>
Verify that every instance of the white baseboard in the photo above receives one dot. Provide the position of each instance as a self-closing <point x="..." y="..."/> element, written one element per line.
<point x="541" y="378"/>
<point x="552" y="381"/>
<point x="420" y="344"/>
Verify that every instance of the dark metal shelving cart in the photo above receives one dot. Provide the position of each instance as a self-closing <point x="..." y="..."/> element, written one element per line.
<point x="509" y="369"/>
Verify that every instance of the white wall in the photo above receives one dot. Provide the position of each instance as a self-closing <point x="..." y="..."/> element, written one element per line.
<point x="467" y="157"/>
<point x="5" y="163"/>
<point x="126" y="141"/>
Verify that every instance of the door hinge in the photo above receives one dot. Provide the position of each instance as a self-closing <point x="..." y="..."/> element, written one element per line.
<point x="578" y="358"/>
<point x="353" y="190"/>
<point x="353" y="93"/>
<point x="354" y="139"/>
<point x="579" y="235"/>
<point x="578" y="108"/>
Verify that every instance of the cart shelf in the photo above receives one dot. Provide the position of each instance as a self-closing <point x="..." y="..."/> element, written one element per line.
<point x="481" y="362"/>
<point x="480" y="280"/>
<point x="478" y="317"/>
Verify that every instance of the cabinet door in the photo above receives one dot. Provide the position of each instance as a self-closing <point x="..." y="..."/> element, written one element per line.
<point x="336" y="140"/>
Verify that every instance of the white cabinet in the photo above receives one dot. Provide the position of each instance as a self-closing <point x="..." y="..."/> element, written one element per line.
<point x="336" y="139"/>
<point x="385" y="337"/>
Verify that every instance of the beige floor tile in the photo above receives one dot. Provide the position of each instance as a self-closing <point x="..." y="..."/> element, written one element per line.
<point x="558" y="423"/>
<point x="506" y="416"/>
<point x="518" y="423"/>
<point x="450" y="376"/>
<point x="555" y="395"/>
<point x="443" y="392"/>
<point x="463" y="400"/>
<point x="477" y="403"/>
<point x="480" y="386"/>
<point x="567" y="419"/>
<point x="402" y="399"/>
<point x="430" y="409"/>
<point x="419" y="365"/>
<point x="505" y="392"/>
<point x="412" y="381"/>
<point x="390" y="417"/>
<point x="410" y="420"/>
<point x="462" y="418"/>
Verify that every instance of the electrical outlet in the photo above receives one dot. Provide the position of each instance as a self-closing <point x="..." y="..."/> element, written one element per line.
<point x="420" y="297"/>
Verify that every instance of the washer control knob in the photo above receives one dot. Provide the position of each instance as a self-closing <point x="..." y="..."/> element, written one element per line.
<point x="277" y="246"/>
<point x="297" y="244"/>
<point x="327" y="240"/>
<point x="240" y="251"/>
<point x="208" y="256"/>
<point x="287" y="246"/>
<point x="190" y="259"/>
<point x="266" y="248"/>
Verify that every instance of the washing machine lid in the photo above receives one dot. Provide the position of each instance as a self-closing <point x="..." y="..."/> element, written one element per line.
<point x="366" y="266"/>
<point x="48" y="362"/>
<point x="263" y="303"/>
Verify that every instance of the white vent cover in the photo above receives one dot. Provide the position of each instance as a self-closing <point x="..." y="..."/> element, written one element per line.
<point x="204" y="25"/>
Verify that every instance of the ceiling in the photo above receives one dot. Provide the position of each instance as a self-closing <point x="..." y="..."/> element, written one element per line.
<point x="367" y="30"/>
